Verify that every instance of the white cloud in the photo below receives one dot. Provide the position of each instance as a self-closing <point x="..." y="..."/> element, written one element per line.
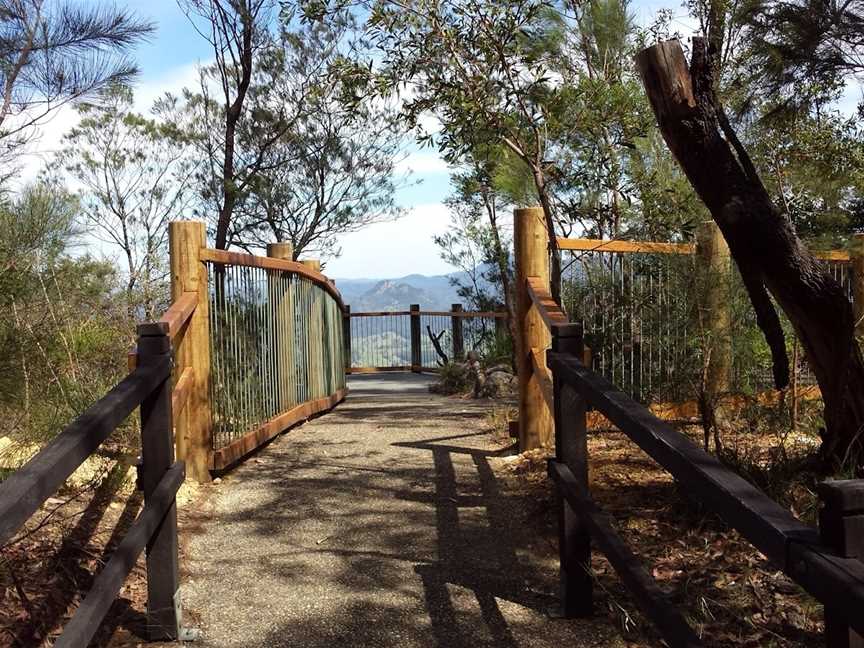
<point x="396" y="248"/>
<point x="173" y="81"/>
<point x="49" y="135"/>
<point x="422" y="162"/>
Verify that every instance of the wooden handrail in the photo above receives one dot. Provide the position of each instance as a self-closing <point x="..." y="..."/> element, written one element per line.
<point x="658" y="247"/>
<point x="649" y="596"/>
<point x="269" y="263"/>
<point x="543" y="377"/>
<point x="182" y="391"/>
<point x="490" y="314"/>
<point x="86" y="619"/>
<point x="175" y="317"/>
<point x="549" y="311"/>
<point x="788" y="543"/>
<point x="25" y="490"/>
<point x="613" y="245"/>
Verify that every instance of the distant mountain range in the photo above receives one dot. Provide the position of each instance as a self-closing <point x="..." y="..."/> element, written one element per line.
<point x="432" y="293"/>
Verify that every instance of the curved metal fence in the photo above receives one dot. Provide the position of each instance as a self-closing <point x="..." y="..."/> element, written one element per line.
<point x="275" y="344"/>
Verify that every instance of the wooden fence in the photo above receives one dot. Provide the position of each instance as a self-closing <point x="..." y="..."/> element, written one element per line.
<point x="418" y="340"/>
<point x="823" y="562"/>
<point x="248" y="347"/>
<point x="148" y="385"/>
<point x="262" y="349"/>
<point x="654" y="313"/>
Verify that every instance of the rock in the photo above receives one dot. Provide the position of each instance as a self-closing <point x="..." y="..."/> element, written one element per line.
<point x="499" y="384"/>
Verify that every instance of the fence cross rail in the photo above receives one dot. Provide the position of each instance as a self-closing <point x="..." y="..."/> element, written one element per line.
<point x="824" y="561"/>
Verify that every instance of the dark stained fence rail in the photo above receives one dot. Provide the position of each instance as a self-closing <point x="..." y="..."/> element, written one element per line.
<point x="826" y="566"/>
<point x="23" y="492"/>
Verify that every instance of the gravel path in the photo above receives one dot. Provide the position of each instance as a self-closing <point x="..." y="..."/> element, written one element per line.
<point x="379" y="524"/>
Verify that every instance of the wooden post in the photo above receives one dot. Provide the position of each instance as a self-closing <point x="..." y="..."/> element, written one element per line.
<point x="192" y="345"/>
<point x="716" y="268"/>
<point x="857" y="255"/>
<point x="346" y="336"/>
<point x="841" y="527"/>
<point x="281" y="250"/>
<point x="456" y="328"/>
<point x="416" y="353"/>
<point x="502" y="331"/>
<point x="157" y="456"/>
<point x="283" y="308"/>
<point x="312" y="264"/>
<point x="532" y="260"/>
<point x="571" y="449"/>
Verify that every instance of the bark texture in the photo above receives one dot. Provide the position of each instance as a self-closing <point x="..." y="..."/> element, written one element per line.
<point x="762" y="241"/>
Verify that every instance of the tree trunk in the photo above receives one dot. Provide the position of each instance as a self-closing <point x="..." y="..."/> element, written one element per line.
<point x="762" y="241"/>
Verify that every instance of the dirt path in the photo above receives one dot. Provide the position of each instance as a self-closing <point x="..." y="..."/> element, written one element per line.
<point x="379" y="524"/>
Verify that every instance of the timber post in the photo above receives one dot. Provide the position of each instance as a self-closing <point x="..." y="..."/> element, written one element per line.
<point x="346" y="336"/>
<point x="571" y="448"/>
<point x="530" y="241"/>
<point x="841" y="528"/>
<point x="157" y="456"/>
<point x="857" y="256"/>
<point x="282" y="296"/>
<point x="713" y="253"/>
<point x="416" y="353"/>
<point x="458" y="338"/>
<point x="312" y="264"/>
<point x="192" y="346"/>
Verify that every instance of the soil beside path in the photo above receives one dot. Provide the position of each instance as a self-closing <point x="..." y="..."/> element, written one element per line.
<point x="379" y="524"/>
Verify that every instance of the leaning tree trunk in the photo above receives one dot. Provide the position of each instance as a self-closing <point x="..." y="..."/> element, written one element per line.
<point x="762" y="241"/>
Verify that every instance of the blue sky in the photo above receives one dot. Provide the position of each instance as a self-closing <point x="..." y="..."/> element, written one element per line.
<point x="392" y="249"/>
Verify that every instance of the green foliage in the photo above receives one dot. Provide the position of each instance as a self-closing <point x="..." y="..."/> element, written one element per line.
<point x="475" y="244"/>
<point x="62" y="326"/>
<point x="333" y="170"/>
<point x="454" y="378"/>
<point x="54" y="53"/>
<point x="800" y="52"/>
<point x="814" y="165"/>
<point x="134" y="175"/>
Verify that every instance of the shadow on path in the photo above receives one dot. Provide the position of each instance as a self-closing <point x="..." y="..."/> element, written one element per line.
<point x="380" y="524"/>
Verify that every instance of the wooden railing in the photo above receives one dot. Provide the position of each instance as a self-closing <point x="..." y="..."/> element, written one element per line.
<point x="417" y="340"/>
<point x="259" y="346"/>
<point x="824" y="562"/>
<point x="284" y="323"/>
<point x="148" y="385"/>
<point x="647" y="305"/>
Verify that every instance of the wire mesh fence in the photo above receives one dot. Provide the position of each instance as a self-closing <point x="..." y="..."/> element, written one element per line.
<point x="642" y="321"/>
<point x="275" y="343"/>
<point x="382" y="340"/>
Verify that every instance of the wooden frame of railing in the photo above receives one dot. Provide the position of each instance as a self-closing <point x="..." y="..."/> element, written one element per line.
<point x="824" y="562"/>
<point x="457" y="316"/>
<point x="186" y="323"/>
<point x="279" y="258"/>
<point x="148" y="385"/>
<point x="709" y="232"/>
